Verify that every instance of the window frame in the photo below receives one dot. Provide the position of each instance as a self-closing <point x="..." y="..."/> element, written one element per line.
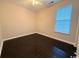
<point x="70" y="19"/>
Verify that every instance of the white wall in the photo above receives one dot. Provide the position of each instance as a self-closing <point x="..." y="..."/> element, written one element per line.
<point x="0" y="32"/>
<point x="78" y="37"/>
<point x="0" y="24"/>
<point x="0" y="39"/>
<point x="46" y="22"/>
<point x="78" y="40"/>
<point x="16" y="20"/>
<point x="78" y="47"/>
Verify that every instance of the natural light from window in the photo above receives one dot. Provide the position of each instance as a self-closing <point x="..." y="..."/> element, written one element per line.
<point x="63" y="19"/>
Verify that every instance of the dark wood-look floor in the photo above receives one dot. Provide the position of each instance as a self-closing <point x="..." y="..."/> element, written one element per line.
<point x="32" y="46"/>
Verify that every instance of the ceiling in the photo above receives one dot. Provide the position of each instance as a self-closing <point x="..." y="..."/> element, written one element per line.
<point x="39" y="3"/>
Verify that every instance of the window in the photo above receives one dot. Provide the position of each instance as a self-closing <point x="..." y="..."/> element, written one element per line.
<point x="63" y="19"/>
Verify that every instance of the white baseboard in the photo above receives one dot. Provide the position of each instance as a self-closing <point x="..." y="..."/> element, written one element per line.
<point x="1" y="47"/>
<point x="58" y="39"/>
<point x="18" y="36"/>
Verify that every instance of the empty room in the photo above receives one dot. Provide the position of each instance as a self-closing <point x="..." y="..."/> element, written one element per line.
<point x="39" y="28"/>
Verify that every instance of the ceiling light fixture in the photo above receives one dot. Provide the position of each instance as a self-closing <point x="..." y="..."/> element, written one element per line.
<point x="35" y="2"/>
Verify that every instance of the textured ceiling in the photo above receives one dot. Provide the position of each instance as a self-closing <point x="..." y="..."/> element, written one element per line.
<point x="29" y="3"/>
